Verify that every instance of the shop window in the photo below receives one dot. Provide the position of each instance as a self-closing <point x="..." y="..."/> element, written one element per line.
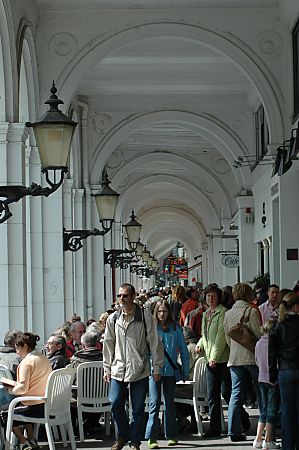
<point x="261" y="133"/>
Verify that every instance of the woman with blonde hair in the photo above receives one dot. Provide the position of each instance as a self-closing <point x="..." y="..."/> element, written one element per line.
<point x="284" y="367"/>
<point x="241" y="361"/>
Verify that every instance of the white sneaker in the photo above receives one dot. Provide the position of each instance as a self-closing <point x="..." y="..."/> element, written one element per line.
<point x="270" y="445"/>
<point x="257" y="444"/>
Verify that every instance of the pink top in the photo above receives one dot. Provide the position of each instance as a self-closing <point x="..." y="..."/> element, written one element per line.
<point x="261" y="359"/>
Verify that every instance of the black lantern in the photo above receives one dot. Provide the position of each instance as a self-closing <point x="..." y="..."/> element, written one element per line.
<point x="133" y="229"/>
<point x="53" y="134"/>
<point x="106" y="201"/>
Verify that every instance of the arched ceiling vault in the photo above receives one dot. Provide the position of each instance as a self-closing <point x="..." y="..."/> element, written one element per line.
<point x="217" y="134"/>
<point x="198" y="173"/>
<point x="167" y="187"/>
<point x="241" y="56"/>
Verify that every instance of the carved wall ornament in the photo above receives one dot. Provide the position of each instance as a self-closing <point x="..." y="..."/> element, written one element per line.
<point x="101" y="122"/>
<point x="270" y="43"/>
<point x="220" y="165"/>
<point x="53" y="287"/>
<point x="62" y="44"/>
<point x="116" y="160"/>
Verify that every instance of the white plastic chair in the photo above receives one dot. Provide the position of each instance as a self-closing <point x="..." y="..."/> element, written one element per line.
<point x="200" y="394"/>
<point x="92" y="393"/>
<point x="57" y="408"/>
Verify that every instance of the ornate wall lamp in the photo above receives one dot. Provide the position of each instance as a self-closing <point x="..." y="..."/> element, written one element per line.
<point x="106" y="201"/>
<point x="53" y="133"/>
<point x="122" y="257"/>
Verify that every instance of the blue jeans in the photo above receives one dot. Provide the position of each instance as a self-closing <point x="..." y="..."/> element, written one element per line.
<point x="288" y="381"/>
<point x="238" y="374"/>
<point x="218" y="381"/>
<point x="268" y="403"/>
<point x="152" y="428"/>
<point x="118" y="395"/>
<point x="5" y="398"/>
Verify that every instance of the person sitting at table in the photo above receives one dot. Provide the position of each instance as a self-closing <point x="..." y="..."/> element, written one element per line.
<point x="56" y="351"/>
<point x="90" y="352"/>
<point x="32" y="376"/>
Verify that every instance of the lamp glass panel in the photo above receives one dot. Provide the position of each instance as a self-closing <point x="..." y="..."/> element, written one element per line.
<point x="139" y="250"/>
<point x="106" y="205"/>
<point x="145" y="255"/>
<point x="133" y="232"/>
<point x="54" y="143"/>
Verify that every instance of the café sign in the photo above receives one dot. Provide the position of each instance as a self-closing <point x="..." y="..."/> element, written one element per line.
<point x="230" y="261"/>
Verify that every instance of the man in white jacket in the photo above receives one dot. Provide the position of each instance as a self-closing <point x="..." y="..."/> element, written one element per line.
<point x="130" y="341"/>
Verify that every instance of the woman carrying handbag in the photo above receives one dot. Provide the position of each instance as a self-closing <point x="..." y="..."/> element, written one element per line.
<point x="173" y="340"/>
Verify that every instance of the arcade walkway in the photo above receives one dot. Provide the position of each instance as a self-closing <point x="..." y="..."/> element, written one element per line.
<point x="187" y="441"/>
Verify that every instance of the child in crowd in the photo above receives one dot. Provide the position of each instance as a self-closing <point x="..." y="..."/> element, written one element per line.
<point x="268" y="398"/>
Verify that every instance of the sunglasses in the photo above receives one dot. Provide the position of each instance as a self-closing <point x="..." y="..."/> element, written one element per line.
<point x="122" y="295"/>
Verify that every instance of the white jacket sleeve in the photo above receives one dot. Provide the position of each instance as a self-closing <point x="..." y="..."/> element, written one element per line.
<point x="155" y="344"/>
<point x="109" y="344"/>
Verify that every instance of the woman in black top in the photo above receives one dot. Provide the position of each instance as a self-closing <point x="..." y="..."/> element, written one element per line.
<point x="284" y="367"/>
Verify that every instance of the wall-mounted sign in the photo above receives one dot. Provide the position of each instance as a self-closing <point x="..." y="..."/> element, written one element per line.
<point x="230" y="261"/>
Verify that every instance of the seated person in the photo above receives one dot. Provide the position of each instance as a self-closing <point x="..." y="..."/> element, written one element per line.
<point x="56" y="351"/>
<point x="74" y="344"/>
<point x="90" y="352"/>
<point x="91" y="349"/>
<point x="10" y="359"/>
<point x="32" y="377"/>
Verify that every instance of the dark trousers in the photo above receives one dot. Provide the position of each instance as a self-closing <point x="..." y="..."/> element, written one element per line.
<point x="218" y="382"/>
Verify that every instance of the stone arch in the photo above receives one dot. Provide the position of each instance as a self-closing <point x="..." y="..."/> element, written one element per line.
<point x="186" y="194"/>
<point x="8" y="65"/>
<point x="222" y="138"/>
<point x="27" y="74"/>
<point x="157" y="157"/>
<point x="183" y="228"/>
<point x="245" y="58"/>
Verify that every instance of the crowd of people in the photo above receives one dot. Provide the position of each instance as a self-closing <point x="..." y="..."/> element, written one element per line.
<point x="150" y="340"/>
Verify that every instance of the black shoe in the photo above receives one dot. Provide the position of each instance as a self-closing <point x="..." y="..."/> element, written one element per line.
<point x="246" y="423"/>
<point x="211" y="434"/>
<point x="238" y="438"/>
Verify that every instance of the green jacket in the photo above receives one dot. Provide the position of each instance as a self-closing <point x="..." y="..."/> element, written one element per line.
<point x="213" y="340"/>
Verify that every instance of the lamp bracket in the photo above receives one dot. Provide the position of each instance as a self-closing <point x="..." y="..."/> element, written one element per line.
<point x="72" y="239"/>
<point x="14" y="193"/>
<point x="119" y="258"/>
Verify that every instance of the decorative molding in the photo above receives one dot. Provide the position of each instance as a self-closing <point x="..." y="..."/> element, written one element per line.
<point x="101" y="122"/>
<point x="270" y="43"/>
<point x="220" y="165"/>
<point x="62" y="44"/>
<point x="274" y="189"/>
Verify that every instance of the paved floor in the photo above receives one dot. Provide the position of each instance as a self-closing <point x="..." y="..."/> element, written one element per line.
<point x="187" y="441"/>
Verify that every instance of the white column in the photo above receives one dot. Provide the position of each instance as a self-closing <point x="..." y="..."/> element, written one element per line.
<point x="247" y="250"/>
<point x="98" y="269"/>
<point x="36" y="250"/>
<point x="288" y="227"/>
<point x="68" y="255"/>
<point x="13" y="309"/>
<point x="4" y="254"/>
<point x="215" y="266"/>
<point x="79" y="294"/>
<point x="53" y="261"/>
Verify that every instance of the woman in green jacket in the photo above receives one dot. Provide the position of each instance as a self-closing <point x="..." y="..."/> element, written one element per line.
<point x="216" y="350"/>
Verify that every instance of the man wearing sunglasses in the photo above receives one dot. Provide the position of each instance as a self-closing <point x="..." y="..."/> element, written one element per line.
<point x="130" y="341"/>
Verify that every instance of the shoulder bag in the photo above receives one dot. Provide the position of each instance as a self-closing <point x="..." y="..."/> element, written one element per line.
<point x="242" y="332"/>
